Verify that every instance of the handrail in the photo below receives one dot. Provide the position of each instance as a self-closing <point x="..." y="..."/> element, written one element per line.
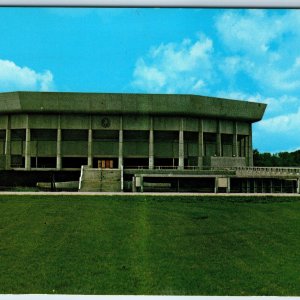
<point x="81" y="176"/>
<point x="290" y="170"/>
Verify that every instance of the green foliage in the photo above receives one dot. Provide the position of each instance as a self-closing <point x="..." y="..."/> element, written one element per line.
<point x="281" y="159"/>
<point x="150" y="245"/>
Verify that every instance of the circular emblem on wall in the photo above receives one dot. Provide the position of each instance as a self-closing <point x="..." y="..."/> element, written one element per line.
<point x="105" y="122"/>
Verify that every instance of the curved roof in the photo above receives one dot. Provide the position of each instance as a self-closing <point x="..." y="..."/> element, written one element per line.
<point x="151" y="104"/>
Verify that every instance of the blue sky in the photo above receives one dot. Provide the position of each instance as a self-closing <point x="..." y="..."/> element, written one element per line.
<point x="240" y="54"/>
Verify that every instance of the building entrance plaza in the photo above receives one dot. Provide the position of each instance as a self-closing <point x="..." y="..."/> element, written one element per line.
<point x="135" y="142"/>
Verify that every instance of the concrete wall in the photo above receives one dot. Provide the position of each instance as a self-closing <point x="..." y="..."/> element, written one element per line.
<point x="220" y="162"/>
<point x="100" y="180"/>
<point x="130" y="104"/>
<point x="25" y="138"/>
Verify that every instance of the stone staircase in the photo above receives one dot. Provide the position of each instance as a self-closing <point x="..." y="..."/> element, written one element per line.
<point x="99" y="180"/>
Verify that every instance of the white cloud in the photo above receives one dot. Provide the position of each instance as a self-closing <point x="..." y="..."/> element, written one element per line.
<point x="252" y="56"/>
<point x="239" y="95"/>
<point x="183" y="57"/>
<point x="231" y="66"/>
<point x="175" y="68"/>
<point x="262" y="45"/>
<point x="258" y="44"/>
<point x="14" y="77"/>
<point x="147" y="77"/>
<point x="253" y="31"/>
<point x="279" y="129"/>
<point x="284" y="79"/>
<point x="276" y="105"/>
<point x="198" y="85"/>
<point x="283" y="124"/>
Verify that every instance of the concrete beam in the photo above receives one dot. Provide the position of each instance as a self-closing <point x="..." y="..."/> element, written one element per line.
<point x="122" y="104"/>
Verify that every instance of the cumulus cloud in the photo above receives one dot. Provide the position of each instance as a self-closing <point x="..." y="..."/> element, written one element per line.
<point x="254" y="43"/>
<point x="262" y="52"/>
<point x="275" y="105"/>
<point x="175" y="68"/>
<point x="278" y="131"/>
<point x="253" y="31"/>
<point x="282" y="124"/>
<point x="231" y="66"/>
<point x="252" y="55"/>
<point x="14" y="77"/>
<point x="147" y="77"/>
<point x="262" y="45"/>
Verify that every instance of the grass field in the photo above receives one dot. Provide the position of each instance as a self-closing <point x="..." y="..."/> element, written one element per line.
<point x="150" y="245"/>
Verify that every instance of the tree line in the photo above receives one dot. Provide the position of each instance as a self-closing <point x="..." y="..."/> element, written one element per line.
<point x="281" y="159"/>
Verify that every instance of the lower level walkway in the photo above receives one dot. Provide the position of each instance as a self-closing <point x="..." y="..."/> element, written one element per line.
<point x="121" y="194"/>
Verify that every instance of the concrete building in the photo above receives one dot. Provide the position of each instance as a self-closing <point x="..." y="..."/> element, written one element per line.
<point x="132" y="142"/>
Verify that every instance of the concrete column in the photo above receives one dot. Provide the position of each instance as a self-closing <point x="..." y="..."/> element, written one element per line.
<point x="8" y="145"/>
<point x="219" y="143"/>
<point x="294" y="186"/>
<point x="243" y="148"/>
<point x="235" y="151"/>
<point x="181" y="147"/>
<point x="216" y="185"/>
<point x="142" y="184"/>
<point x="243" y="185"/>
<point x="151" y="145"/>
<point x="246" y="143"/>
<point x="27" y="148"/>
<point x="121" y="143"/>
<point x="122" y="179"/>
<point x="200" y="144"/>
<point x="271" y="185"/>
<point x="298" y="186"/>
<point x="247" y="185"/>
<point x="250" y="150"/>
<point x="58" y="146"/>
<point x="90" y="148"/>
<point x="133" y="184"/>
<point x="228" y="185"/>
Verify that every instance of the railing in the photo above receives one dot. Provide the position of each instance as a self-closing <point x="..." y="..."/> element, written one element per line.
<point x="161" y="167"/>
<point x="268" y="171"/>
<point x="81" y="176"/>
<point x="238" y="170"/>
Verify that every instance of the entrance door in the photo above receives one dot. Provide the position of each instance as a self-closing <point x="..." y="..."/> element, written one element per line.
<point x="105" y="163"/>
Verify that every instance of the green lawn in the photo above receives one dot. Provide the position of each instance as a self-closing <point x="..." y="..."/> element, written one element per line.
<point x="150" y="245"/>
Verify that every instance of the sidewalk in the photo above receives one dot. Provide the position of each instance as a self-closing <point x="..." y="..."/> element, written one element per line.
<point x="42" y="193"/>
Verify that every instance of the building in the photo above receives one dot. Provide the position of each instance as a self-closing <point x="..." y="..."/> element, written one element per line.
<point x="132" y="142"/>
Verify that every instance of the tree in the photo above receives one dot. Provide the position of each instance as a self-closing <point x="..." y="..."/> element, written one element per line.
<point x="281" y="159"/>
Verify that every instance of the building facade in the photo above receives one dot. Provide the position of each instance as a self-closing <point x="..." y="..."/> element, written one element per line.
<point x="62" y="131"/>
<point x="145" y="136"/>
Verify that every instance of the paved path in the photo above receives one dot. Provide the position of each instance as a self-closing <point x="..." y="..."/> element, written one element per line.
<point x="42" y="193"/>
